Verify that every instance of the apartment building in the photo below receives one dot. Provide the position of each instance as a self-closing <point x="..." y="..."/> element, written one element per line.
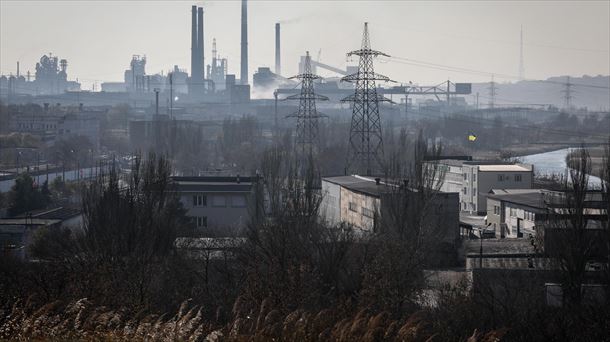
<point x="474" y="179"/>
<point x="216" y="202"/>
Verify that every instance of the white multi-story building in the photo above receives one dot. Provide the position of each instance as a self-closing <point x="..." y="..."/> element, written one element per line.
<point x="474" y="179"/>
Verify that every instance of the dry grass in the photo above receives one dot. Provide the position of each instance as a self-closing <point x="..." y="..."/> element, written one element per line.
<point x="80" y="320"/>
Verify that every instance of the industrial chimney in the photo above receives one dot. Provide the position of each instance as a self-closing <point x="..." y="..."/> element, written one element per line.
<point x="278" y="66"/>
<point x="200" y="58"/>
<point x="244" y="43"/>
<point x="197" y="46"/>
<point x="193" y="42"/>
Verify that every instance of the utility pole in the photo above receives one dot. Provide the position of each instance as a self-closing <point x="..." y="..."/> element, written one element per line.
<point x="307" y="116"/>
<point x="157" y="103"/>
<point x="477" y="100"/>
<point x="407" y="104"/>
<point x="365" y="149"/>
<point x="493" y="91"/>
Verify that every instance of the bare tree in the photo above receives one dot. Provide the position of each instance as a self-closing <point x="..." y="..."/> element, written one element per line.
<point x="408" y="233"/>
<point x="291" y="256"/>
<point x="605" y="191"/>
<point x="567" y="238"/>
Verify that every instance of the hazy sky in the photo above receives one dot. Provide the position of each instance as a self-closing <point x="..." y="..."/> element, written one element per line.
<point x="98" y="38"/>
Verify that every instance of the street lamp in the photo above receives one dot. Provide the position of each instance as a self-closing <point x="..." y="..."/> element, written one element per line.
<point x="481" y="230"/>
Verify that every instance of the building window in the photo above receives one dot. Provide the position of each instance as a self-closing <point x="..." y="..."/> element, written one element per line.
<point x="219" y="201"/>
<point x="200" y="200"/>
<point x="474" y="191"/>
<point x="465" y="191"/>
<point x="202" y="221"/>
<point x="465" y="176"/>
<point x="517" y="178"/>
<point x="238" y="201"/>
<point x="368" y="212"/>
<point x="496" y="210"/>
<point x="500" y="178"/>
<point x="474" y="177"/>
<point x="352" y="206"/>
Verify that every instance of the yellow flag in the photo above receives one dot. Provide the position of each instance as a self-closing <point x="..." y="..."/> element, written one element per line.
<point x="472" y="137"/>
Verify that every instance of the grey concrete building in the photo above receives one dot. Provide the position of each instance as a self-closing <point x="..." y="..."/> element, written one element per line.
<point x="216" y="203"/>
<point x="57" y="124"/>
<point x="515" y="213"/>
<point x="362" y="201"/>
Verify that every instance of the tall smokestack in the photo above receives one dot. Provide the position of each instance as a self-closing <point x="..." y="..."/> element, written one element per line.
<point x="200" y="64"/>
<point x="278" y="66"/>
<point x="244" y="42"/>
<point x="193" y="43"/>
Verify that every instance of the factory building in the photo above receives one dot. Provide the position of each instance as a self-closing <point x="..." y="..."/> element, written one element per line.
<point x="217" y="71"/>
<point x="137" y="81"/>
<point x="51" y="78"/>
<point x="58" y="123"/>
<point x="362" y="201"/>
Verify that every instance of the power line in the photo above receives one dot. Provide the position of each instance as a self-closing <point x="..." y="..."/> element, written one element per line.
<point x="466" y="119"/>
<point x="508" y="42"/>
<point x="423" y="64"/>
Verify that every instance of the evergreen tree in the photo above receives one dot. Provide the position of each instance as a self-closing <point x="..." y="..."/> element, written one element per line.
<point x="24" y="196"/>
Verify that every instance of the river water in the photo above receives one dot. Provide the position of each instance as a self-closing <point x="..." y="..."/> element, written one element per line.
<point x="554" y="162"/>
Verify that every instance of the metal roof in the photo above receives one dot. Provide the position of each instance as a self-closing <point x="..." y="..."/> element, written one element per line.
<point x="504" y="168"/>
<point x="213" y="184"/>
<point x="60" y="213"/>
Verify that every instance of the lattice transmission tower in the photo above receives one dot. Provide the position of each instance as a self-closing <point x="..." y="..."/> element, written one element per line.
<point x="307" y="115"/>
<point x="568" y="94"/>
<point x="365" y="150"/>
<point x="493" y="91"/>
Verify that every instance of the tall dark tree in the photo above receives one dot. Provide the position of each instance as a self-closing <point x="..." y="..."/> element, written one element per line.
<point x="25" y="196"/>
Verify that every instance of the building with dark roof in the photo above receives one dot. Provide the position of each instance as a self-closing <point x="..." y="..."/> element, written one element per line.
<point x="362" y="201"/>
<point x="515" y="213"/>
<point x="17" y="233"/>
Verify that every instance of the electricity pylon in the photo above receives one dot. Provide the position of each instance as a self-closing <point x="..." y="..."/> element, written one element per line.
<point x="307" y="115"/>
<point x="365" y="150"/>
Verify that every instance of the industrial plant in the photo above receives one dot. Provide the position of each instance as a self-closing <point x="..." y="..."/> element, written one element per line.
<point x="215" y="178"/>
